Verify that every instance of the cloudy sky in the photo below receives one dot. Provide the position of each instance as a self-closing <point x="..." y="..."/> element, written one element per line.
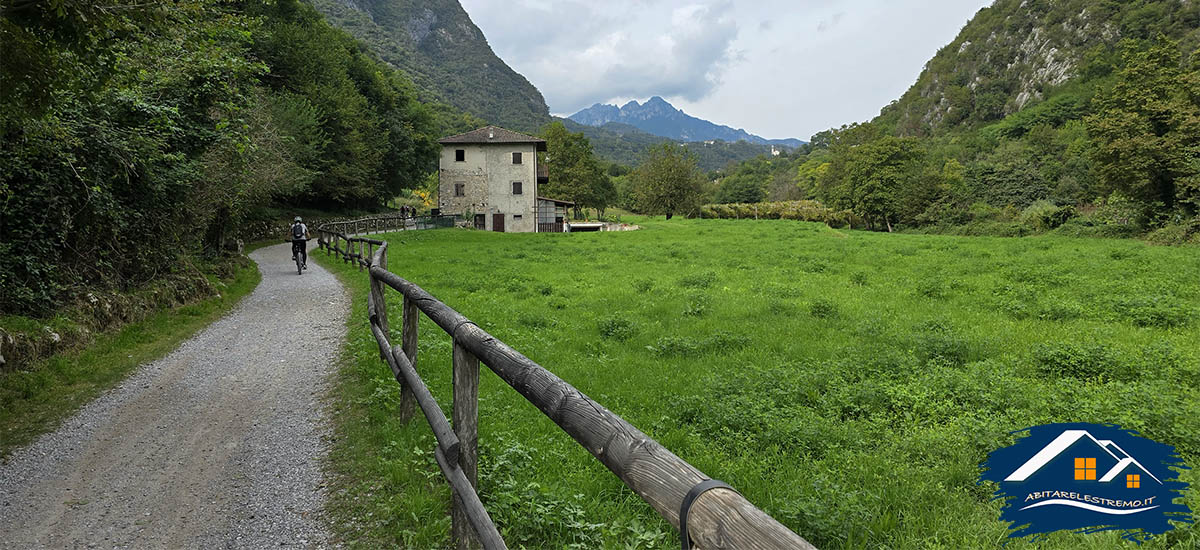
<point x="778" y="68"/>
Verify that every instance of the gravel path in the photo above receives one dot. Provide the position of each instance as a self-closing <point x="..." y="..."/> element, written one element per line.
<point x="218" y="445"/>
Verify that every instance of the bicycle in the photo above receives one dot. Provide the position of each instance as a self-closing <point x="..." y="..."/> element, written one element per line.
<point x="300" y="264"/>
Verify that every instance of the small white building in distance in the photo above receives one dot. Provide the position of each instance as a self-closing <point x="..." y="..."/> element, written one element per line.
<point x="490" y="177"/>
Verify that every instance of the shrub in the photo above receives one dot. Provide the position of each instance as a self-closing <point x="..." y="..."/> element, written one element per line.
<point x="823" y="308"/>
<point x="682" y="346"/>
<point x="936" y="340"/>
<point x="931" y="287"/>
<point x="1081" y="361"/>
<point x="1044" y="215"/>
<point x="858" y="278"/>
<point x="984" y="212"/>
<point x="1154" y="311"/>
<point x="702" y="279"/>
<point x="697" y="306"/>
<point x="1119" y="209"/>
<point x="643" y="285"/>
<point x="616" y="328"/>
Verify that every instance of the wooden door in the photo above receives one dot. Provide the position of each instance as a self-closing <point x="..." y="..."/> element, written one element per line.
<point x="498" y="222"/>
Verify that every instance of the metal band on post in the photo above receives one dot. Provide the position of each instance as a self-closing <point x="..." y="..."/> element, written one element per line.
<point x="692" y="495"/>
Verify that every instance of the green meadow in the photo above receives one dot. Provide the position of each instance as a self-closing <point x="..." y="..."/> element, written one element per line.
<point x="848" y="383"/>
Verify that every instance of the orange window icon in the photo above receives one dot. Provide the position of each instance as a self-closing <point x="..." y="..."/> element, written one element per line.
<point x="1085" y="469"/>
<point x="1133" y="481"/>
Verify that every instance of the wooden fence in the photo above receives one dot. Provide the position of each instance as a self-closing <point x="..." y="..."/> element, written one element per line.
<point x="708" y="514"/>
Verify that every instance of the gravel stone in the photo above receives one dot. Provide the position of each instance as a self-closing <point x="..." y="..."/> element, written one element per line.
<point x="217" y="445"/>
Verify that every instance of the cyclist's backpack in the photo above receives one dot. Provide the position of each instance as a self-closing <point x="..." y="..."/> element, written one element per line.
<point x="297" y="232"/>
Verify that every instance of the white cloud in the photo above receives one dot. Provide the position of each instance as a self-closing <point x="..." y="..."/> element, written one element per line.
<point x="582" y="53"/>
<point x="778" y="68"/>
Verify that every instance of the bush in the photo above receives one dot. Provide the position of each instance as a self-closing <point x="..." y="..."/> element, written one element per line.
<point x="823" y="308"/>
<point x="1154" y="311"/>
<point x="930" y="287"/>
<point x="1080" y="361"/>
<point x="697" y="306"/>
<point x="1175" y="234"/>
<point x="616" y="328"/>
<point x="1044" y="215"/>
<point x="703" y="279"/>
<point x="682" y="346"/>
<point x="935" y="340"/>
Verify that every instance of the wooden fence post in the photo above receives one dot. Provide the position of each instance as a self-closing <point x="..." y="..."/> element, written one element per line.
<point x="378" y="295"/>
<point x="408" y="340"/>
<point x="466" y="427"/>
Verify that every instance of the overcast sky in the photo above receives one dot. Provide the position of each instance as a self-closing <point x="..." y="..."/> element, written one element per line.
<point x="778" y="68"/>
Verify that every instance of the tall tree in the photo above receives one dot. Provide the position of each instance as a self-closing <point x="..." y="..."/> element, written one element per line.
<point x="1147" y="131"/>
<point x="668" y="181"/>
<point x="575" y="173"/>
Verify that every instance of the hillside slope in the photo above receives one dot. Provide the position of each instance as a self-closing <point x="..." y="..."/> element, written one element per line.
<point x="445" y="54"/>
<point x="624" y="144"/>
<point x="1017" y="52"/>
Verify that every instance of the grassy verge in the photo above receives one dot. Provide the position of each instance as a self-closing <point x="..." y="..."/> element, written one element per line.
<point x="34" y="400"/>
<point x="848" y="383"/>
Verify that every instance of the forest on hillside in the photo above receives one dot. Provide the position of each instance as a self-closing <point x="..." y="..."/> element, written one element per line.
<point x="133" y="136"/>
<point x="1112" y="150"/>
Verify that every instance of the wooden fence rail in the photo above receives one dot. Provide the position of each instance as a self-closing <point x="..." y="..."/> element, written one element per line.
<point x="717" y="518"/>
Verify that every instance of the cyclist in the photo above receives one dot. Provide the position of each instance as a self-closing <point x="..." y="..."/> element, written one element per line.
<point x="300" y="241"/>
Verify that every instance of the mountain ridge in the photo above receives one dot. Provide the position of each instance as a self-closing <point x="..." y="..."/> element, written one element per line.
<point x="658" y="117"/>
<point x="1015" y="54"/>
<point x="437" y="45"/>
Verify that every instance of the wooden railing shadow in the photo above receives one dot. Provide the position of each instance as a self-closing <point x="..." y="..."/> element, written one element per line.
<point x="709" y="514"/>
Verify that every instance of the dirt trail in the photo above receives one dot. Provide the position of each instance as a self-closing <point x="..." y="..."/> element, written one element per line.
<point x="217" y="445"/>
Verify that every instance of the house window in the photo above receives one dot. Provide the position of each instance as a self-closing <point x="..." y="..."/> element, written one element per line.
<point x="516" y="158"/>
<point x="1085" y="469"/>
<point x="460" y="190"/>
<point x="1133" y="481"/>
<point x="516" y="188"/>
<point x="516" y="217"/>
<point x="460" y="155"/>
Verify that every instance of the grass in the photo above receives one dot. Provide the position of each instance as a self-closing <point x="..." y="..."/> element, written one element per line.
<point x="33" y="401"/>
<point x="848" y="383"/>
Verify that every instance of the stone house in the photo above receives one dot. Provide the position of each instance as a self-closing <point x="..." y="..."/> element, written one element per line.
<point x="490" y="177"/>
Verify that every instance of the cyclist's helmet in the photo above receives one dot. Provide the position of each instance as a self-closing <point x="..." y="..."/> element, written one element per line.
<point x="297" y="220"/>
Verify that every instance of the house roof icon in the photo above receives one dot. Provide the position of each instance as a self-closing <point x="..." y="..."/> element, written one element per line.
<point x="1067" y="439"/>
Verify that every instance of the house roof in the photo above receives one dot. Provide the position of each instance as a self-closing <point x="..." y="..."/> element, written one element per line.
<point x="494" y="134"/>
<point x="556" y="201"/>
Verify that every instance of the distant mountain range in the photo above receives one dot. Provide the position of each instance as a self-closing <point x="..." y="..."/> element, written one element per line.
<point x="657" y="116"/>
<point x="624" y="144"/>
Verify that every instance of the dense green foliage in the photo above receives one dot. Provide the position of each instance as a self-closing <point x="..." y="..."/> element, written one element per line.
<point x="437" y="45"/>
<point x="131" y="134"/>
<point x="848" y="383"/>
<point x="1015" y="52"/>
<point x="1070" y="105"/>
<point x="667" y="182"/>
<point x="574" y="173"/>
